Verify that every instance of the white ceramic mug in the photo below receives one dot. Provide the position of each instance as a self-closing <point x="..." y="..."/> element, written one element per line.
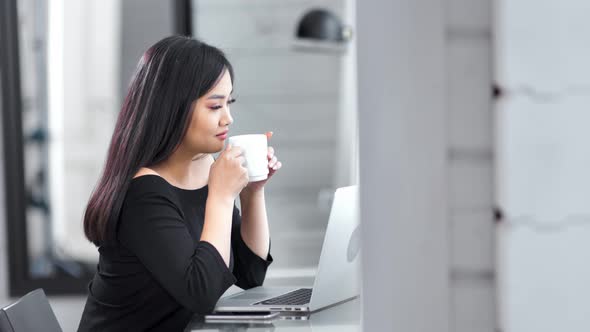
<point x="255" y="148"/>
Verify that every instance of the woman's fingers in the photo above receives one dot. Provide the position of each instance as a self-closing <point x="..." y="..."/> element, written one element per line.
<point x="272" y="162"/>
<point x="234" y="152"/>
<point x="277" y="166"/>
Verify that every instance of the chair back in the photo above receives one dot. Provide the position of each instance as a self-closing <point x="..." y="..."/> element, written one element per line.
<point x="30" y="313"/>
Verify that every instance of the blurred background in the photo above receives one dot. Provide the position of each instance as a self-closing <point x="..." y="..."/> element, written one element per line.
<point x="493" y="131"/>
<point x="75" y="76"/>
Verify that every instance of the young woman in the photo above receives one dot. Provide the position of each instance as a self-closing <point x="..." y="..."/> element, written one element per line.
<point x="170" y="238"/>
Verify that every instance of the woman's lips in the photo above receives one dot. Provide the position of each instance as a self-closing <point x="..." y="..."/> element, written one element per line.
<point x="222" y="136"/>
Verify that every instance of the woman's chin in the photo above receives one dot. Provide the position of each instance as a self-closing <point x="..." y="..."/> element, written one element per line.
<point x="218" y="148"/>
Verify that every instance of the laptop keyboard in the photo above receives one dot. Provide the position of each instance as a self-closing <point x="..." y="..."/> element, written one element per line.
<point x="300" y="296"/>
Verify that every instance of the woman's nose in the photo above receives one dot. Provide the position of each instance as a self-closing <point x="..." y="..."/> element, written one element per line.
<point x="227" y="119"/>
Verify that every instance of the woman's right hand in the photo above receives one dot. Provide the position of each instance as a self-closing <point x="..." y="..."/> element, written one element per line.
<point x="227" y="176"/>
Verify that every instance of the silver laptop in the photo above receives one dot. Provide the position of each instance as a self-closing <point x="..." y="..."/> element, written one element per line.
<point x="337" y="279"/>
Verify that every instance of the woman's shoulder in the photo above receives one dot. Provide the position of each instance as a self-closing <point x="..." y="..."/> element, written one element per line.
<point x="147" y="178"/>
<point x="148" y="182"/>
<point x="147" y="192"/>
<point x="145" y="171"/>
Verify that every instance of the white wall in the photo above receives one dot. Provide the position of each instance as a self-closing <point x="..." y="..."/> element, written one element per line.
<point x="543" y="162"/>
<point x="426" y="165"/>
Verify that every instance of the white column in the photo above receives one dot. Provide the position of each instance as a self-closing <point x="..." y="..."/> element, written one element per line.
<point x="346" y="170"/>
<point x="56" y="103"/>
<point x="88" y="35"/>
<point x="401" y="56"/>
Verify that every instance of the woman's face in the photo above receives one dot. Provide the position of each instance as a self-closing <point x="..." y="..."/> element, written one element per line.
<point x="211" y="118"/>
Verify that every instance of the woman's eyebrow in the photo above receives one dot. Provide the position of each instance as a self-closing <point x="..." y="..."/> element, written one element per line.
<point x="219" y="96"/>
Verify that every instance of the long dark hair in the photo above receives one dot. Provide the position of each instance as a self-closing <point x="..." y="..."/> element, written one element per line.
<point x="154" y="118"/>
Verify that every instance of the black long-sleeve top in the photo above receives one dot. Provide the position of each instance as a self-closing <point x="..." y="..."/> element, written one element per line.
<point x="159" y="274"/>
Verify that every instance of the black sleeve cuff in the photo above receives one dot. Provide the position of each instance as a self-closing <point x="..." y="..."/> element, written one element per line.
<point x="249" y="256"/>
<point x="249" y="269"/>
<point x="228" y="277"/>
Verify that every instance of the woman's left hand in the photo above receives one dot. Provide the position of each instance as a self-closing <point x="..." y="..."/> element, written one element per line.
<point x="273" y="166"/>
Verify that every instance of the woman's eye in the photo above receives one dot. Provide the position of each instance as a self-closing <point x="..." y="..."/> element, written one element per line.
<point x="230" y="101"/>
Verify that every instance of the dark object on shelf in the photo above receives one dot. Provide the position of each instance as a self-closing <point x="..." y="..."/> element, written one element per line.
<point x="497" y="91"/>
<point x="323" y="25"/>
<point x="39" y="135"/>
<point x="498" y="214"/>
<point x="38" y="201"/>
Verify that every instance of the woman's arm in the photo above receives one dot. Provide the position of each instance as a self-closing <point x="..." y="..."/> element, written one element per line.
<point x="254" y="229"/>
<point x="249" y="268"/>
<point x="217" y="225"/>
<point x="226" y="178"/>
<point x="254" y="220"/>
<point x="250" y="240"/>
